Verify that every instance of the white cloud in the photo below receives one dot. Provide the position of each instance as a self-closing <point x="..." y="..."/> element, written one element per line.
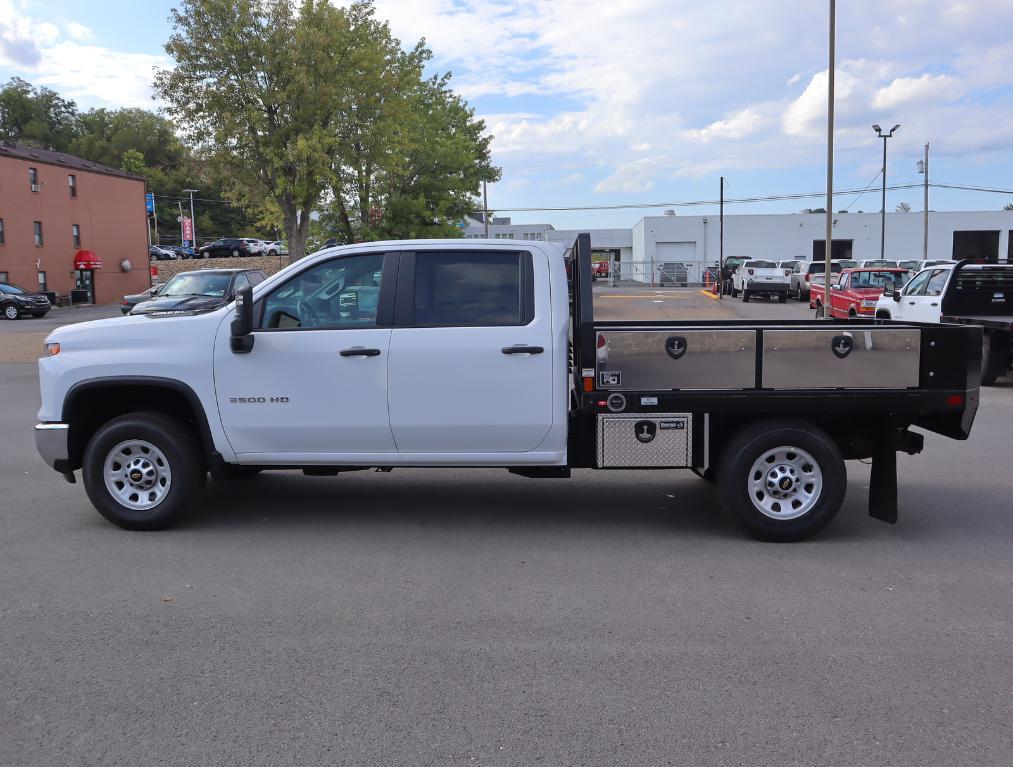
<point x="937" y="88"/>
<point x="738" y="126"/>
<point x="636" y="176"/>
<point x="58" y="56"/>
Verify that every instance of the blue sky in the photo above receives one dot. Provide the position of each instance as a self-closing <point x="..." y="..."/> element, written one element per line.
<point x="646" y="101"/>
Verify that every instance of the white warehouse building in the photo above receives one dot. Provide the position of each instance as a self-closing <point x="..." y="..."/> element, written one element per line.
<point x="695" y="240"/>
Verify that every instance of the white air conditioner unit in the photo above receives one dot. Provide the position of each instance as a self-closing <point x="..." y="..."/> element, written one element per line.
<point x="35" y="187"/>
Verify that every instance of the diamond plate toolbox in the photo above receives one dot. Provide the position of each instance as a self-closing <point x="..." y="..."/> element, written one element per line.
<point x="630" y="440"/>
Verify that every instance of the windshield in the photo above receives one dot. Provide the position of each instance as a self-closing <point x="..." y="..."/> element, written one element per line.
<point x="12" y="289"/>
<point x="819" y="267"/>
<point x="877" y="279"/>
<point x="845" y="263"/>
<point x="197" y="284"/>
<point x="761" y="265"/>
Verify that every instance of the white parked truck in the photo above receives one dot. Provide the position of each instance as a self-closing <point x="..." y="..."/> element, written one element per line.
<point x="471" y="353"/>
<point x="761" y="278"/>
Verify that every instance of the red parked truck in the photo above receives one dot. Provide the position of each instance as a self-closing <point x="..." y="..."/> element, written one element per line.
<point x="855" y="292"/>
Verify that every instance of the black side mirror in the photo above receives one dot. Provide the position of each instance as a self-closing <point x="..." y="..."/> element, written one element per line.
<point x="242" y="324"/>
<point x="889" y="288"/>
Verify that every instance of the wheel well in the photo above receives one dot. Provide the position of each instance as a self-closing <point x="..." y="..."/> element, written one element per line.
<point x="852" y="312"/>
<point x="883" y="314"/>
<point x="91" y="405"/>
<point x="854" y="440"/>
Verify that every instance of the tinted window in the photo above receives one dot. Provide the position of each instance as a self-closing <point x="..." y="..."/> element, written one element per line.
<point x="197" y="284"/>
<point x="12" y="289"/>
<point x="917" y="286"/>
<point x="876" y="279"/>
<point x="937" y="282"/>
<point x="468" y="289"/>
<point x="761" y="265"/>
<point x="242" y="281"/>
<point x="342" y="293"/>
<point x="255" y="277"/>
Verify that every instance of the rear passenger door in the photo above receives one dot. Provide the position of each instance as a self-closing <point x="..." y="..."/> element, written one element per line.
<point x="470" y="365"/>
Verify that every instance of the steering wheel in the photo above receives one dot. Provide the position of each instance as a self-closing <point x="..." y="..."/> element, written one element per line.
<point x="308" y="316"/>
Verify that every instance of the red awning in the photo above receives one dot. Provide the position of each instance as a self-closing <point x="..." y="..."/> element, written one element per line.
<point x="86" y="259"/>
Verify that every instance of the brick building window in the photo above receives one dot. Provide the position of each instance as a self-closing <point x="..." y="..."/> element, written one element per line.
<point x="42" y="282"/>
<point x="33" y="179"/>
<point x="38" y="233"/>
<point x="4" y="278"/>
<point x="76" y="231"/>
<point x="72" y="184"/>
<point x="1" y="231"/>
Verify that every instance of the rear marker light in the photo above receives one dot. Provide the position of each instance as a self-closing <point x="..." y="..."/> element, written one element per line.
<point x="955" y="400"/>
<point x="589" y="383"/>
<point x="601" y="341"/>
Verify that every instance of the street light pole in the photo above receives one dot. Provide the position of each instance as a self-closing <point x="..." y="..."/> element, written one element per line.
<point x="923" y="167"/>
<point x="193" y="221"/>
<point x="828" y="250"/>
<point x="882" y="212"/>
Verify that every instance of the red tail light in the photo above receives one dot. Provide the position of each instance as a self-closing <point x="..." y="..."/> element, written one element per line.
<point x="807" y="278"/>
<point x="601" y="341"/>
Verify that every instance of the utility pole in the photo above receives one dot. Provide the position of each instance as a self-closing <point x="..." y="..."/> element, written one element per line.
<point x="923" y="167"/>
<point x="882" y="210"/>
<point x="830" y="154"/>
<point x="485" y="208"/>
<point x="721" y="242"/>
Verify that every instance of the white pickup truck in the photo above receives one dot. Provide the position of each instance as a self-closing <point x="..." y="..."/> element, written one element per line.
<point x="485" y="353"/>
<point x="761" y="278"/>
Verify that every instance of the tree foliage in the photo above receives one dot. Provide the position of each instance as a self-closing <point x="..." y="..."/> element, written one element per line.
<point x="318" y="108"/>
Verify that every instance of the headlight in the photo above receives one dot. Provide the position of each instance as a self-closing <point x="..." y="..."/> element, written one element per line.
<point x="50" y="350"/>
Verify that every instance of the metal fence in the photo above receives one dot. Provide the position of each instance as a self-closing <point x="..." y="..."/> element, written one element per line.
<point x="692" y="274"/>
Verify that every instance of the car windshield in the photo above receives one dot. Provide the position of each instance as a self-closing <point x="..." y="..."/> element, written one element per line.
<point x="214" y="285"/>
<point x="845" y="263"/>
<point x="12" y="289"/>
<point x="761" y="265"/>
<point x="877" y="279"/>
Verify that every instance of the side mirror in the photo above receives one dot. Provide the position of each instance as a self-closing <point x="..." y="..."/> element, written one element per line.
<point x="835" y="286"/>
<point x="242" y="324"/>
<point x="889" y="288"/>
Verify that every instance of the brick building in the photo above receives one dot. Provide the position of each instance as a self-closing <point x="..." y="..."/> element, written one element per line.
<point x="68" y="223"/>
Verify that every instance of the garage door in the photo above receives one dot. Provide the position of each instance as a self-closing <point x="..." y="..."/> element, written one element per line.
<point x="679" y="252"/>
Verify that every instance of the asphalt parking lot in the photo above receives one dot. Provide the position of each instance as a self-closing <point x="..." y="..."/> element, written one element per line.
<point x="474" y="617"/>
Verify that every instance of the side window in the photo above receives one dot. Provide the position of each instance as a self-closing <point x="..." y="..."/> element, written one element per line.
<point x="255" y="278"/>
<point x="937" y="282"/>
<point x="336" y="294"/>
<point x="917" y="286"/>
<point x="242" y="281"/>
<point x="462" y="289"/>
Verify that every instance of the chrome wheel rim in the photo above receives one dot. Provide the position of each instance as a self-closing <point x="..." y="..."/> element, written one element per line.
<point x="11" y="313"/>
<point x="137" y="474"/>
<point x="784" y="483"/>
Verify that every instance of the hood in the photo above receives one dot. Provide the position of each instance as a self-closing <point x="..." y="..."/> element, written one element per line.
<point x="181" y="304"/>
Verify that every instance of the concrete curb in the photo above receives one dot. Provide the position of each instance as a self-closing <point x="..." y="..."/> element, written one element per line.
<point x="709" y="294"/>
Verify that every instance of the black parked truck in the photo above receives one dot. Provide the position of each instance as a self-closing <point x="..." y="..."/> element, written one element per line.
<point x="982" y="295"/>
<point x="769" y="410"/>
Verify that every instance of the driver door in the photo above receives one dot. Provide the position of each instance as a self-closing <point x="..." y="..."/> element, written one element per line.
<point x="314" y="387"/>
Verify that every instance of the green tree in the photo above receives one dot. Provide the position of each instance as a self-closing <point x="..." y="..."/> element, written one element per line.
<point x="37" y="116"/>
<point x="258" y="87"/>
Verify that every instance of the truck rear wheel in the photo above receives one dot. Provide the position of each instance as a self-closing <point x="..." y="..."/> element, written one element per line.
<point x="142" y="470"/>
<point x="993" y="357"/>
<point x="782" y="480"/>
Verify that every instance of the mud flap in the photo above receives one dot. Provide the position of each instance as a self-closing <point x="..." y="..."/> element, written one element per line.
<point x="883" y="480"/>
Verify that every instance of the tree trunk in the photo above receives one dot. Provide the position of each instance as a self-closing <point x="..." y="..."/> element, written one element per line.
<point x="294" y="231"/>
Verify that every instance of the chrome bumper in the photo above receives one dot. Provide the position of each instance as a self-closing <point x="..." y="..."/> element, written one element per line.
<point x="51" y="442"/>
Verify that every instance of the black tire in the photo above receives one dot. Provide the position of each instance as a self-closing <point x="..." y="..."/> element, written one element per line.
<point x="181" y="451"/>
<point x="235" y="253"/>
<point x="272" y="252"/>
<point x="11" y="311"/>
<point x="745" y="296"/>
<point x="993" y="357"/>
<point x="882" y="314"/>
<point x="749" y="446"/>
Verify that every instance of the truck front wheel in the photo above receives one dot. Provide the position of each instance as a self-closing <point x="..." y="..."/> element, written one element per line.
<point x="782" y="480"/>
<point x="142" y="470"/>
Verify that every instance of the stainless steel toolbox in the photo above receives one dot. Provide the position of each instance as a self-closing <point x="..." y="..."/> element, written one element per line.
<point x="859" y="358"/>
<point x="677" y="358"/>
<point x="631" y="440"/>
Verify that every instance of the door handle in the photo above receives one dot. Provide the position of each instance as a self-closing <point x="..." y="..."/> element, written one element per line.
<point x="935" y="303"/>
<point x="359" y="351"/>
<point x="519" y="349"/>
<point x="910" y="303"/>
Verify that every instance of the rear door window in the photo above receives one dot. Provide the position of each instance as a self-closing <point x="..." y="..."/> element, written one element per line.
<point x="470" y="289"/>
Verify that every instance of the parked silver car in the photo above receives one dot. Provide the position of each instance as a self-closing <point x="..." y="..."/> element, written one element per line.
<point x="802" y="276"/>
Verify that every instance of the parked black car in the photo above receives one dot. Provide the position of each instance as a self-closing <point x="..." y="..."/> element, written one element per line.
<point x="129" y="302"/>
<point x="228" y="246"/>
<point x="15" y="301"/>
<point x="200" y="291"/>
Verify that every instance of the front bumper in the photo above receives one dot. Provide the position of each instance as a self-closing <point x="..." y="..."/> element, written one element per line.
<point x="51" y="442"/>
